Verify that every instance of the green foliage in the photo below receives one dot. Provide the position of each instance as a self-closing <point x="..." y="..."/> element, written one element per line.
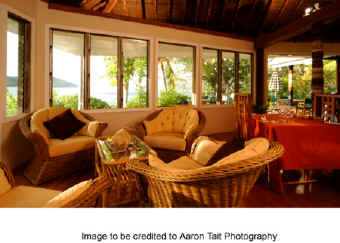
<point x="11" y="104"/>
<point x="172" y="97"/>
<point x="71" y="101"/>
<point x="139" y="101"/>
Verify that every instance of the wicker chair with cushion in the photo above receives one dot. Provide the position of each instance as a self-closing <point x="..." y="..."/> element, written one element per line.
<point x="223" y="184"/>
<point x="83" y="194"/>
<point x="172" y="128"/>
<point x="58" y="157"/>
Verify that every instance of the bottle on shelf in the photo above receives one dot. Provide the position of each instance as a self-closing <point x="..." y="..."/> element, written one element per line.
<point x="325" y="116"/>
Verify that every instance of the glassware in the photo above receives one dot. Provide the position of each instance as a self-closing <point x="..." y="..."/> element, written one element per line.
<point x="325" y="116"/>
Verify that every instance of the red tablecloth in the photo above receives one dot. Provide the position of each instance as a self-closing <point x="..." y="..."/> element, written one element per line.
<point x="309" y="144"/>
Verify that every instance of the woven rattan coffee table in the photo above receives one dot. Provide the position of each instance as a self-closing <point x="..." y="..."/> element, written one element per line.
<point x="126" y="185"/>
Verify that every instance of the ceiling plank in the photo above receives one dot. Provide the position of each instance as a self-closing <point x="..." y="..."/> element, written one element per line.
<point x="265" y="16"/>
<point x="211" y="3"/>
<point x="66" y="8"/>
<point x="90" y="4"/>
<point x="197" y="11"/>
<point x="299" y="26"/>
<point x="155" y="5"/>
<point x="109" y="6"/>
<point x="237" y="6"/>
<point x="281" y="11"/>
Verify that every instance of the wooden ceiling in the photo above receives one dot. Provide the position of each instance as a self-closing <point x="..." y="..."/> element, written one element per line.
<point x="247" y="18"/>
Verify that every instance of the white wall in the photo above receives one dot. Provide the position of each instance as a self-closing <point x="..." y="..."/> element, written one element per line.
<point x="219" y="119"/>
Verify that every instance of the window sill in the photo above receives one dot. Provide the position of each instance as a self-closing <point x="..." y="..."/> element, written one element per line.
<point x="217" y="106"/>
<point x="15" y="117"/>
<point x="116" y="110"/>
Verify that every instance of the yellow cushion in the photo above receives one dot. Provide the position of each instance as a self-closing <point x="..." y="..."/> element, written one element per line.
<point x="72" y="144"/>
<point x="172" y="141"/>
<point x="4" y="184"/>
<point x="205" y="148"/>
<point x="69" y="195"/>
<point x="184" y="163"/>
<point x="27" y="197"/>
<point x="248" y="152"/>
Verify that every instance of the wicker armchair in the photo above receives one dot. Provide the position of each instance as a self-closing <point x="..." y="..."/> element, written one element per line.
<point x="212" y="186"/>
<point x="28" y="196"/>
<point x="44" y="167"/>
<point x="140" y="129"/>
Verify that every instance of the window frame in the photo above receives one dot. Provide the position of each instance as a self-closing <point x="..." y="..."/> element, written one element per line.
<point x="87" y="71"/>
<point x="220" y="78"/>
<point x="196" y="61"/>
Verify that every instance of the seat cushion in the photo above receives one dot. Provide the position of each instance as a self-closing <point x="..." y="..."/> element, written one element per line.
<point x="184" y="163"/>
<point x="69" y="195"/>
<point x="204" y="148"/>
<point x="27" y="197"/>
<point x="72" y="144"/>
<point x="4" y="184"/>
<point x="171" y="141"/>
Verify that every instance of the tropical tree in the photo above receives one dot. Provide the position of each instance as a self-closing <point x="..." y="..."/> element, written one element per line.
<point x="11" y="104"/>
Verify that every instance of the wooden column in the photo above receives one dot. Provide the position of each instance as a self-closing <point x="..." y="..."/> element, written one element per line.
<point x="260" y="77"/>
<point x="290" y="84"/>
<point x="338" y="74"/>
<point x="317" y="68"/>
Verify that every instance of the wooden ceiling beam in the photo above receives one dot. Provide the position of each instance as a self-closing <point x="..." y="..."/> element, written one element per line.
<point x="265" y="16"/>
<point x="90" y="4"/>
<point x="197" y="11"/>
<point x="299" y="26"/>
<point x="109" y="6"/>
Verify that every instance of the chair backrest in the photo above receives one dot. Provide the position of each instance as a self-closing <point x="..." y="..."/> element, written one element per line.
<point x="242" y="104"/>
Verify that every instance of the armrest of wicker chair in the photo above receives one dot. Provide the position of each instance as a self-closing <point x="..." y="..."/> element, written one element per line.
<point x="8" y="173"/>
<point x="193" y="133"/>
<point x="86" y="198"/>
<point x="39" y="143"/>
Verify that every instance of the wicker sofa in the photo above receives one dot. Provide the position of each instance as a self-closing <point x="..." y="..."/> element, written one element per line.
<point x="171" y="128"/>
<point x="55" y="157"/>
<point x="223" y="184"/>
<point x="83" y="194"/>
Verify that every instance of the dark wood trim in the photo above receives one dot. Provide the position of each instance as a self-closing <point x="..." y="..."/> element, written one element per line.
<point x="145" y="21"/>
<point x="237" y="72"/>
<point x="50" y="76"/>
<point x="87" y="70"/>
<point x="298" y="27"/>
<point x="120" y="73"/>
<point x="171" y="9"/>
<point x="27" y="68"/>
<point x="219" y="76"/>
<point x="260" y="77"/>
<point x="197" y="11"/>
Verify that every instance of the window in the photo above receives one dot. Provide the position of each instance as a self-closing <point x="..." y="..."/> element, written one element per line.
<point x="175" y="74"/>
<point x="329" y="75"/>
<point x="68" y="68"/>
<point x="222" y="77"/>
<point x="18" y="65"/>
<point x="98" y="71"/>
<point x="245" y="73"/>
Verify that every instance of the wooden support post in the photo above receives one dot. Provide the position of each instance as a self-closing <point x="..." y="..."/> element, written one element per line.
<point x="317" y="68"/>
<point x="290" y="84"/>
<point x="338" y="74"/>
<point x="260" y="77"/>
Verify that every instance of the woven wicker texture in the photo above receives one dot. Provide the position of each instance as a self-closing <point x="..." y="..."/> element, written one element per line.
<point x="213" y="186"/>
<point x="42" y="167"/>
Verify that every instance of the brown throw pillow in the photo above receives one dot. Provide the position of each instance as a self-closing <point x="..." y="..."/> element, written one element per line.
<point x="63" y="125"/>
<point x="226" y="149"/>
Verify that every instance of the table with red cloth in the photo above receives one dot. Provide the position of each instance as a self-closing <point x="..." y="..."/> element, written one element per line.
<point x="308" y="144"/>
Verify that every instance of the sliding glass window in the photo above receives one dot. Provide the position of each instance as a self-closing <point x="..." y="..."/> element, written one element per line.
<point x="94" y="71"/>
<point x="68" y="72"/>
<point x="175" y="74"/>
<point x="225" y="73"/>
<point x="18" y="65"/>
